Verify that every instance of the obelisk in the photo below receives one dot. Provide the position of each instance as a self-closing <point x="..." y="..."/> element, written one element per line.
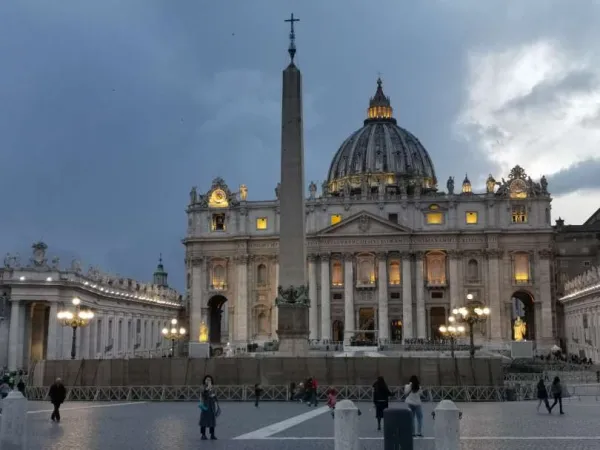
<point x="292" y="293"/>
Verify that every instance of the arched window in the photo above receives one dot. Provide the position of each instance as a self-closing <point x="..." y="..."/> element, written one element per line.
<point x="218" y="279"/>
<point x="473" y="270"/>
<point x="521" y="268"/>
<point x="261" y="274"/>
<point x="436" y="268"/>
<point x="394" y="273"/>
<point x="366" y="272"/>
<point x="263" y="323"/>
<point x="337" y="275"/>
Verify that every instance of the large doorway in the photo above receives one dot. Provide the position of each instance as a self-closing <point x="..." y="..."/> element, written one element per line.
<point x="523" y="308"/>
<point x="337" y="329"/>
<point x="215" y="314"/>
<point x="437" y="318"/>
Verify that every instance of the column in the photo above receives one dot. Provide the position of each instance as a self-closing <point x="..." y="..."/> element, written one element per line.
<point x="241" y="303"/>
<point x="544" y="282"/>
<point x="382" y="298"/>
<point x="13" y="334"/>
<point x="455" y="281"/>
<point x="52" y="329"/>
<point x="349" y="324"/>
<point x="115" y="334"/>
<point x="125" y="336"/>
<point x="494" y="278"/>
<point x="325" y="298"/>
<point x="420" y="287"/>
<point x="275" y="310"/>
<point x="407" y="310"/>
<point x="105" y="336"/>
<point x="197" y="299"/>
<point x="313" y="316"/>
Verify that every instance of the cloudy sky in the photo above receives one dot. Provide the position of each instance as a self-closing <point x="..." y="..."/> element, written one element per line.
<point x="111" y="110"/>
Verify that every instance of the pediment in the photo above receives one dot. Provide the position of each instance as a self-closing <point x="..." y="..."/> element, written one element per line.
<point x="364" y="223"/>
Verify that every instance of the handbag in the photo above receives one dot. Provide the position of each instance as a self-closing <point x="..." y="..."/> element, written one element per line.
<point x="202" y="407"/>
<point x="217" y="409"/>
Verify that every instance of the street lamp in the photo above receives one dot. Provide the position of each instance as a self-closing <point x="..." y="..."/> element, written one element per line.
<point x="471" y="314"/>
<point x="452" y="331"/>
<point x="75" y="319"/>
<point x="174" y="334"/>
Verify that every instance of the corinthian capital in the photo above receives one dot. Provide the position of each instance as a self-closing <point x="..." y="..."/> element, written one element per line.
<point x="494" y="253"/>
<point x="545" y="253"/>
<point x="455" y="254"/>
<point x="348" y="256"/>
<point x="311" y="257"/>
<point x="241" y="259"/>
<point x="382" y="256"/>
<point x="325" y="257"/>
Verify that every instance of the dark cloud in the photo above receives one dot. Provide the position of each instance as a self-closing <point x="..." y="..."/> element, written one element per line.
<point x="580" y="176"/>
<point x="112" y="110"/>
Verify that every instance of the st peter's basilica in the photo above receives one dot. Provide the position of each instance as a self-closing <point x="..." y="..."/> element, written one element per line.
<point x="389" y="252"/>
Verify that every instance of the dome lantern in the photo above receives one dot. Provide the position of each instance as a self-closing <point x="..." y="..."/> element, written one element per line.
<point x="380" y="107"/>
<point x="466" y="186"/>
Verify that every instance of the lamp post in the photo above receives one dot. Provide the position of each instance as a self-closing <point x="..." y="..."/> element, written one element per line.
<point x="471" y="314"/>
<point x="174" y="334"/>
<point x="452" y="332"/>
<point x="75" y="319"/>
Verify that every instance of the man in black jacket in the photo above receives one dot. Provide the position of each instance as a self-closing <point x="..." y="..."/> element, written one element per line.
<point x="57" y="395"/>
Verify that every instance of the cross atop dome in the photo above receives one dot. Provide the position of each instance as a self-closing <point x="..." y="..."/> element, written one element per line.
<point x="380" y="107"/>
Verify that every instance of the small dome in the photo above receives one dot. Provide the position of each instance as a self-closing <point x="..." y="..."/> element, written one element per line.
<point x="381" y="151"/>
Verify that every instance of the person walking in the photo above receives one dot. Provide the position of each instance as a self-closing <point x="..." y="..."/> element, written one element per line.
<point x="542" y="395"/>
<point x="381" y="397"/>
<point x="209" y="409"/>
<point x="257" y="392"/>
<point x="331" y="399"/>
<point x="57" y="394"/>
<point x="413" y="392"/>
<point x="556" y="390"/>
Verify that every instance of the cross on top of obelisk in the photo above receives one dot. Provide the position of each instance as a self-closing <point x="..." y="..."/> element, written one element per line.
<point x="292" y="47"/>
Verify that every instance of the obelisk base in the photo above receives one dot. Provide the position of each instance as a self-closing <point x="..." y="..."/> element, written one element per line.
<point x="292" y="330"/>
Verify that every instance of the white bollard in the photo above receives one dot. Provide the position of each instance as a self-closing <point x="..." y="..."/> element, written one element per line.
<point x="346" y="426"/>
<point x="447" y="426"/>
<point x="13" y="428"/>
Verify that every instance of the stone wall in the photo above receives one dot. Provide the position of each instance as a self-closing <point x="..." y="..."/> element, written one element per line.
<point x="269" y="371"/>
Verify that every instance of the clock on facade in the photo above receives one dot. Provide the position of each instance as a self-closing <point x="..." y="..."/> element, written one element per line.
<point x="218" y="199"/>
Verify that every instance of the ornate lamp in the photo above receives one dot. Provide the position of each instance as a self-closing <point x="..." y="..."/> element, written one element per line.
<point x="470" y="314"/>
<point x="452" y="331"/>
<point x="75" y="319"/>
<point x="174" y="334"/>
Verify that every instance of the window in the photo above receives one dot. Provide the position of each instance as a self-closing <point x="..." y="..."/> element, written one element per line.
<point x="261" y="223"/>
<point x="437" y="294"/>
<point x="436" y="269"/>
<point x="336" y="218"/>
<point x="218" y="222"/>
<point x="586" y="264"/>
<point x="473" y="270"/>
<point x="471" y="217"/>
<point x="261" y="274"/>
<point x="521" y="268"/>
<point x="393" y="217"/>
<point x="394" y="273"/>
<point x="218" y="277"/>
<point x="337" y="274"/>
<point x="435" y="218"/>
<point x="366" y="271"/>
<point x="519" y="214"/>
<point x="395" y="295"/>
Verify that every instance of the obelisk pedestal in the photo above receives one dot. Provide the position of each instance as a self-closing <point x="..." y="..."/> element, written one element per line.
<point x="292" y="294"/>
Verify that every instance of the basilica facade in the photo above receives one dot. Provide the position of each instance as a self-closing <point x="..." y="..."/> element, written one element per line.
<point x="390" y="254"/>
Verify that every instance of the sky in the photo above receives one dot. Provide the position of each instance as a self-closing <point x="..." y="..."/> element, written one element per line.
<point x="111" y="111"/>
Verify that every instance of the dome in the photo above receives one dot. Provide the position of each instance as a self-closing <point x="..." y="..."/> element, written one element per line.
<point x="381" y="153"/>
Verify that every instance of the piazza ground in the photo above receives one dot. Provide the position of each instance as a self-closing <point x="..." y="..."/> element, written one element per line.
<point x="293" y="426"/>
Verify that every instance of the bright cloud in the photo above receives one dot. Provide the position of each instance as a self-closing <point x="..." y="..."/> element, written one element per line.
<point x="535" y="105"/>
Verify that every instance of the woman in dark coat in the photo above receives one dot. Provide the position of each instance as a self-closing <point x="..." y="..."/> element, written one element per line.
<point x="381" y="396"/>
<point x="542" y="395"/>
<point x="209" y="409"/>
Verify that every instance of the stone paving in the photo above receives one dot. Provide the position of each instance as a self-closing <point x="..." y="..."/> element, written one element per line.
<point x="154" y="426"/>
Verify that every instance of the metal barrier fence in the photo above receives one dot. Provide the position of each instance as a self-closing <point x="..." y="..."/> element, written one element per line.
<point x="270" y="393"/>
<point x="565" y="377"/>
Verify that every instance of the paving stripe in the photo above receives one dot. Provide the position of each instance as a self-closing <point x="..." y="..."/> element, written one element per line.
<point x="278" y="427"/>
<point x="464" y="438"/>
<point x="110" y="405"/>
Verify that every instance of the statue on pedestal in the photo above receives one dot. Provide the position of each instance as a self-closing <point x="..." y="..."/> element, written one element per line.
<point x="520" y="328"/>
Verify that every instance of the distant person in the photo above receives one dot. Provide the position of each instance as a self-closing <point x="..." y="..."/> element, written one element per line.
<point x="4" y="389"/>
<point x="21" y="387"/>
<point x="209" y="409"/>
<point x="381" y="397"/>
<point x="542" y="395"/>
<point x="57" y="394"/>
<point x="257" y="393"/>
<point x="413" y="400"/>
<point x="557" y="392"/>
<point x="331" y="399"/>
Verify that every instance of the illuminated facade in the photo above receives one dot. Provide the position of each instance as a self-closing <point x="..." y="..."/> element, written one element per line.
<point x="389" y="254"/>
<point x="128" y="315"/>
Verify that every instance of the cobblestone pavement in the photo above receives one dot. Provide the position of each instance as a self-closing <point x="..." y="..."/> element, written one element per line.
<point x="291" y="426"/>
